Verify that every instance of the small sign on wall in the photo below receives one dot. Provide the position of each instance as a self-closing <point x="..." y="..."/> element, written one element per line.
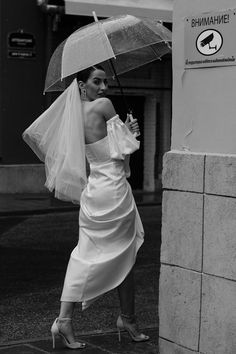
<point x="210" y="39"/>
<point x="21" y="45"/>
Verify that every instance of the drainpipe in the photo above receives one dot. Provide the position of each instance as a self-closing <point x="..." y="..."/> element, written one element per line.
<point x="49" y="8"/>
<point x="55" y="10"/>
<point x="53" y="18"/>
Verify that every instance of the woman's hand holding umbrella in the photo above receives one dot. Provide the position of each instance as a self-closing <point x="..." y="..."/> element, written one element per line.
<point x="132" y="124"/>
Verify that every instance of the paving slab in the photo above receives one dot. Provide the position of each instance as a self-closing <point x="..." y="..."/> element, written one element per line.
<point x="111" y="343"/>
<point x="21" y="349"/>
<point x="95" y="344"/>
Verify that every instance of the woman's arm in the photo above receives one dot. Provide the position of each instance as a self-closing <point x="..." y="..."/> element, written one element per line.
<point x="105" y="108"/>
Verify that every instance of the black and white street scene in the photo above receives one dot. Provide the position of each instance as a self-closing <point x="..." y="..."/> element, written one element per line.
<point x="117" y="176"/>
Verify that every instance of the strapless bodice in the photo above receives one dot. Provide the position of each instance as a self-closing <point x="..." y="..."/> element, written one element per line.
<point x="98" y="152"/>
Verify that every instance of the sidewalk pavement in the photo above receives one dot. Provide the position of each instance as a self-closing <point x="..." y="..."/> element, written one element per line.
<point x="96" y="343"/>
<point x="22" y="204"/>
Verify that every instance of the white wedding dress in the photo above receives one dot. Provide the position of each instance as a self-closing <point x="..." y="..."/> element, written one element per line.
<point x="110" y="229"/>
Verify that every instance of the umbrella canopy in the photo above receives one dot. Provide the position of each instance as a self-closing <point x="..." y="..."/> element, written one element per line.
<point x="128" y="41"/>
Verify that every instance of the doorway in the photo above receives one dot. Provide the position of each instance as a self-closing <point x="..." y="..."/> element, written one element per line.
<point x="136" y="103"/>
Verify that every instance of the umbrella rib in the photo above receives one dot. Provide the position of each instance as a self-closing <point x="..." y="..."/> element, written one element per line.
<point x="104" y="32"/>
<point x="111" y="62"/>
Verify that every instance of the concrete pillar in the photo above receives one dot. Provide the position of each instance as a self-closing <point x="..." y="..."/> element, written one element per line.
<point x="149" y="143"/>
<point x="198" y="266"/>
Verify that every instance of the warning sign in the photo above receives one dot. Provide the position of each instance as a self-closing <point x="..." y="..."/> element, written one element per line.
<point x="209" y="39"/>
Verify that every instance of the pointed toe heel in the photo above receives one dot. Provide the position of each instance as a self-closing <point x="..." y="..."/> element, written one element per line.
<point x="55" y="331"/>
<point x="128" y="324"/>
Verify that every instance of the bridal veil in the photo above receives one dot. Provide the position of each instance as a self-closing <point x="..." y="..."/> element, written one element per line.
<point x="57" y="138"/>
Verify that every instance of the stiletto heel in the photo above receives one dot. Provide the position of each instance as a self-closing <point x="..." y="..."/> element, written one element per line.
<point x="128" y="324"/>
<point x="56" y="332"/>
<point x="53" y="341"/>
<point x="119" y="334"/>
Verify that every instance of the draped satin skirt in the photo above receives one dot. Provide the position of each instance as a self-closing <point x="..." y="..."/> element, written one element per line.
<point x="110" y="234"/>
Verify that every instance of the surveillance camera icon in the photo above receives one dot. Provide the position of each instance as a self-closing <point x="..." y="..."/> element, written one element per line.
<point x="207" y="41"/>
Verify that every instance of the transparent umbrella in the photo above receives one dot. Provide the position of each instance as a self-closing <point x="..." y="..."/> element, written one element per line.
<point x="119" y="44"/>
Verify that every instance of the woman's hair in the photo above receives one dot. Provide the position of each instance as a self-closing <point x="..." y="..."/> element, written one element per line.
<point x="85" y="74"/>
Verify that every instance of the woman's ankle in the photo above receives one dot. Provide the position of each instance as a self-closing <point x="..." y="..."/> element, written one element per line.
<point x="130" y="318"/>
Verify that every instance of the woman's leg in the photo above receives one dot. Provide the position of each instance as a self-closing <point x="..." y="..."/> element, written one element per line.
<point x="126" y="293"/>
<point x="67" y="309"/>
<point x="65" y="326"/>
<point x="127" y="304"/>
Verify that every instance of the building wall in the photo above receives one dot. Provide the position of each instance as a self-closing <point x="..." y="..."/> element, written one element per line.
<point x="197" y="288"/>
<point x="198" y="266"/>
<point x="21" y="83"/>
<point x="22" y="99"/>
<point x="203" y="121"/>
<point x="22" y="80"/>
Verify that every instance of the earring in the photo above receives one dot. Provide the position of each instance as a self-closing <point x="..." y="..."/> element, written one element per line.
<point x="83" y="94"/>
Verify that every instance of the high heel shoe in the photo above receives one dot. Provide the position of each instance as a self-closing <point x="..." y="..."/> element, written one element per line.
<point x="128" y="323"/>
<point x="56" y="332"/>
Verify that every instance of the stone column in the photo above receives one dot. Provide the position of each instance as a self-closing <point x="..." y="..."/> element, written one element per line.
<point x="198" y="264"/>
<point x="197" y="297"/>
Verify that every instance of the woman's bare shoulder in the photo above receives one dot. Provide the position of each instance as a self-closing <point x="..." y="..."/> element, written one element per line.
<point x="104" y="107"/>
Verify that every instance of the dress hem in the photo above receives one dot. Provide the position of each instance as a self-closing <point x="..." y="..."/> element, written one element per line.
<point x="67" y="299"/>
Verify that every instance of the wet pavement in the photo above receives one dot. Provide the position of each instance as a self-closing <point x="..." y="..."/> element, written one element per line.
<point x="96" y="343"/>
<point x="21" y="204"/>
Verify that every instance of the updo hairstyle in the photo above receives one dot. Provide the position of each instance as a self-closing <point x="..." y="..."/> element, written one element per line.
<point x="85" y="74"/>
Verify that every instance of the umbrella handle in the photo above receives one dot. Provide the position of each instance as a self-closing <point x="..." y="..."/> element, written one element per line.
<point x="130" y="116"/>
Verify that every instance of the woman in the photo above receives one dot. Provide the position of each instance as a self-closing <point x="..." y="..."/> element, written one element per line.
<point x="110" y="229"/>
